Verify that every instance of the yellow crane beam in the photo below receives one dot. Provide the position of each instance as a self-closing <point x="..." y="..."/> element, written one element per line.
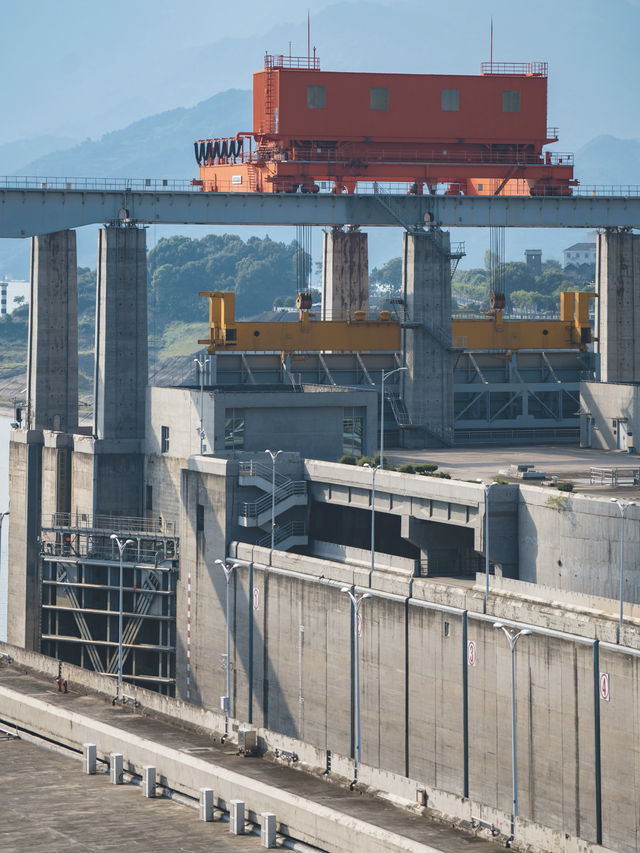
<point x="572" y="331"/>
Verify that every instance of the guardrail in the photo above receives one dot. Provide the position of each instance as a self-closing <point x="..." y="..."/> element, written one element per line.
<point x="154" y="185"/>
<point x="282" y="532"/>
<point x="252" y="509"/>
<point x="159" y="526"/>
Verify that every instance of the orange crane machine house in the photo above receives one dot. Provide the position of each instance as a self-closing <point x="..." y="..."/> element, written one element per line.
<point x="478" y="135"/>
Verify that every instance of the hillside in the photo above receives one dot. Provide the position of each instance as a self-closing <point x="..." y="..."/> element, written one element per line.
<point x="160" y="146"/>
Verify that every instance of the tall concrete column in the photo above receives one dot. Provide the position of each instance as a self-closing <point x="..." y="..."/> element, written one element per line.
<point x="345" y="274"/>
<point x="618" y="289"/>
<point x="52" y="371"/>
<point x="428" y="385"/>
<point x="23" y="587"/>
<point x="121" y="333"/>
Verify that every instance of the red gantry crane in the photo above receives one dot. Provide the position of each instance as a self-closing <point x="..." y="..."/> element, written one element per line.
<point x="313" y="129"/>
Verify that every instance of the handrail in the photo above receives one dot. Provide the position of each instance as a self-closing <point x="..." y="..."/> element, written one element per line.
<point x="252" y="509"/>
<point x="282" y="532"/>
<point x="399" y="188"/>
<point x="535" y="69"/>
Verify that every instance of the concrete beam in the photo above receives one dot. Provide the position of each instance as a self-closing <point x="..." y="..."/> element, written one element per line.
<point x="26" y="211"/>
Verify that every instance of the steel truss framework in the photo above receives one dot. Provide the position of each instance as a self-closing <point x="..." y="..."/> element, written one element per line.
<point x="531" y="396"/>
<point x="80" y="585"/>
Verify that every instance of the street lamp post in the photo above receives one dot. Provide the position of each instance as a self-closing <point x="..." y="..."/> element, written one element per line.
<point x="513" y="638"/>
<point x="487" y="489"/>
<point x="356" y="601"/>
<point x="228" y="571"/>
<point x="121" y="546"/>
<point x="373" y="470"/>
<point x="384" y="377"/>
<point x="623" y="506"/>
<point x="274" y="456"/>
<point x="202" y="363"/>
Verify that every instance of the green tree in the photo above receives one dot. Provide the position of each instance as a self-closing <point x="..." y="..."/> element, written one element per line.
<point x="388" y="276"/>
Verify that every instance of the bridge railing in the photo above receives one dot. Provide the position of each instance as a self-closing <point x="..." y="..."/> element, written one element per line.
<point x="173" y="185"/>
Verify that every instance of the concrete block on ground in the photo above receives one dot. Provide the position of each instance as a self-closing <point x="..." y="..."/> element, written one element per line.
<point x="89" y="758"/>
<point x="149" y="781"/>
<point x="236" y="817"/>
<point x="116" y="768"/>
<point x="268" y="832"/>
<point x="206" y="804"/>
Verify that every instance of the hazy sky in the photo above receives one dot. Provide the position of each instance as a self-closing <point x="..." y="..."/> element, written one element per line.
<point x="79" y="68"/>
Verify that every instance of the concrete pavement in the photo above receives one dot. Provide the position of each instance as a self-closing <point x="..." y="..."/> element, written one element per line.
<point x="362" y="819"/>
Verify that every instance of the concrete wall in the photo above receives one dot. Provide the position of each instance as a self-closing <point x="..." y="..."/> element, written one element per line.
<point x="427" y="714"/>
<point x="282" y="420"/>
<point x="604" y="405"/>
<point x="572" y="542"/>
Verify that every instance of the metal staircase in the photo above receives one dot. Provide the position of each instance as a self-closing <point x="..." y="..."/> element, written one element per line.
<point x="288" y="493"/>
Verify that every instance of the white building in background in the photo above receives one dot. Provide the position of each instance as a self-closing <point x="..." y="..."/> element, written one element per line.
<point x="579" y="253"/>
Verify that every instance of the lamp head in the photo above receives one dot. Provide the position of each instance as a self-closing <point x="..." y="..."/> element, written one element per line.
<point x="498" y="625"/>
<point x="526" y="632"/>
<point x="614" y="500"/>
<point x="113" y="536"/>
<point x="345" y="589"/>
<point x="366" y="595"/>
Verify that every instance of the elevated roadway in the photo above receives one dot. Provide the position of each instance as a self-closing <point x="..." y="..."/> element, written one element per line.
<point x="42" y="206"/>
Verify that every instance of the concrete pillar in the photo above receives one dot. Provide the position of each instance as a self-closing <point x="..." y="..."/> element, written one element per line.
<point x="52" y="369"/>
<point x="617" y="286"/>
<point x="121" y="333"/>
<point x="268" y="832"/>
<point x="116" y="767"/>
<point x="25" y="488"/>
<point x="345" y="274"/>
<point x="89" y="758"/>
<point x="427" y="387"/>
<point x="206" y="804"/>
<point x="236" y="817"/>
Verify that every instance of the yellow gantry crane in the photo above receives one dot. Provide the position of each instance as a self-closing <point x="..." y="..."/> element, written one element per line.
<point x="362" y="334"/>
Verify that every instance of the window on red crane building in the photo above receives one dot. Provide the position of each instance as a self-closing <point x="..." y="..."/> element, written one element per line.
<point x="379" y="98"/>
<point x="450" y="100"/>
<point x="316" y="97"/>
<point x="511" y="101"/>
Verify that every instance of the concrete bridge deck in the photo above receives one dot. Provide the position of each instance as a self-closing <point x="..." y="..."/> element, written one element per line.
<point x="46" y="205"/>
<point x="48" y="803"/>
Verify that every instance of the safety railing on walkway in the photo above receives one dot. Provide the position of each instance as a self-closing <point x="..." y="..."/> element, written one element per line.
<point x="155" y="185"/>
<point x="159" y="526"/>
<point x="283" y="532"/>
<point x="252" y="509"/>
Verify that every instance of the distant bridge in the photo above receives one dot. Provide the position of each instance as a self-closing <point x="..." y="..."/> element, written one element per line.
<point x="31" y="206"/>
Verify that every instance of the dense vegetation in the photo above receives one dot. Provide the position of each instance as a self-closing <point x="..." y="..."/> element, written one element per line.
<point x="525" y="291"/>
<point x="262" y="274"/>
<point x="258" y="271"/>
